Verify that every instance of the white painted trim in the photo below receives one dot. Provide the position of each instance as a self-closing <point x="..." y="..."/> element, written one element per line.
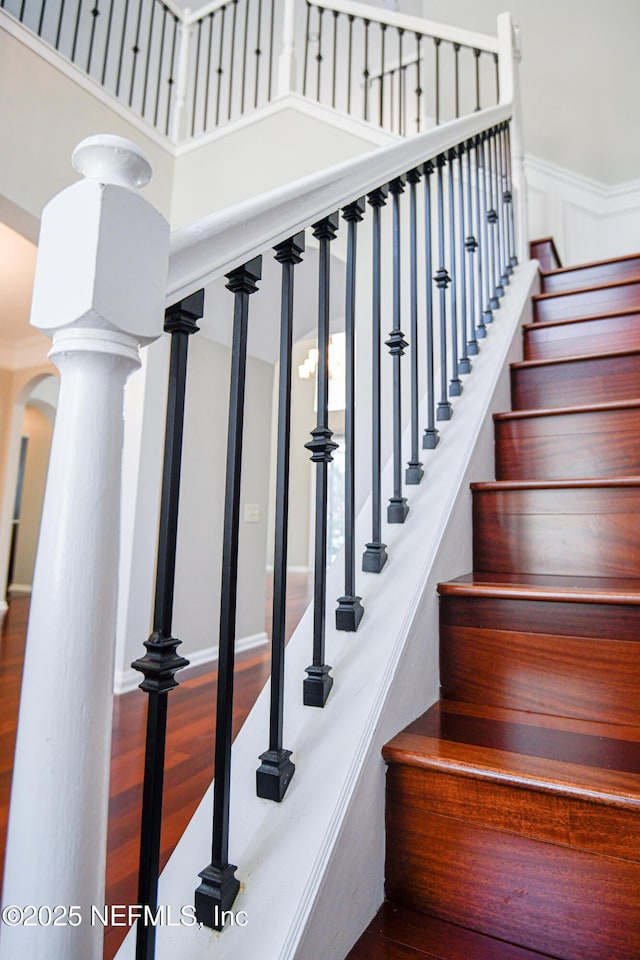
<point x="20" y="589"/>
<point x="404" y="21"/>
<point x="595" y="196"/>
<point x="127" y="680"/>
<point x="342" y="121"/>
<point x="74" y="73"/>
<point x="216" y="244"/>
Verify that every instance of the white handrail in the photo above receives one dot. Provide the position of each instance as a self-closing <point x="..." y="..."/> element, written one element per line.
<point x="211" y="247"/>
<point x="466" y="38"/>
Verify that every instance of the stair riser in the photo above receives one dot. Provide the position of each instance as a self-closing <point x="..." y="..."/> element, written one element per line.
<point x="589" y="532"/>
<point x="597" y="335"/>
<point x="591" y="276"/>
<point x="602" y="443"/>
<point x="576" y="383"/>
<point x="578" y="660"/>
<point x="552" y="898"/>
<point x="587" y="303"/>
<point x="545" y="253"/>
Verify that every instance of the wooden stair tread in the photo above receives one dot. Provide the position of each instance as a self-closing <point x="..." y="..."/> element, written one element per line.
<point x="527" y="586"/>
<point x="558" y="361"/>
<point x="564" y="411"/>
<point x="397" y="933"/>
<point x="592" y="263"/>
<point x="568" y="321"/>
<point x="579" y="759"/>
<point x="587" y="483"/>
<point x="614" y="285"/>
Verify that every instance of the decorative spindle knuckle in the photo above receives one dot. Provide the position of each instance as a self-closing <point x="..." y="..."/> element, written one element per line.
<point x="378" y="197"/>
<point x="507" y="196"/>
<point x="354" y="212"/>
<point x="216" y="894"/>
<point x="492" y="216"/>
<point x="183" y="316"/>
<point x="291" y="250"/>
<point x="327" y="228"/>
<point x="322" y="446"/>
<point x="442" y="279"/>
<point x="452" y="153"/>
<point x="428" y="168"/>
<point x="244" y="279"/>
<point x="471" y="244"/>
<point x="396" y="186"/>
<point x="159" y="664"/>
<point x="413" y="176"/>
<point x="396" y="343"/>
<point x="441" y="160"/>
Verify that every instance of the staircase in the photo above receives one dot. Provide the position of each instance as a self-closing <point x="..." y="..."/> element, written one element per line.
<point x="512" y="804"/>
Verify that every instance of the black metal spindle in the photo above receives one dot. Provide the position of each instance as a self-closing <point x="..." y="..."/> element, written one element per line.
<point x="456" y="60"/>
<point x="95" y="13"/>
<point x="418" y="90"/>
<point x="22" y="6"/>
<point x="205" y="122"/>
<point x="481" y="330"/>
<point x="61" y="17"/>
<point x="497" y="72"/>
<point x="257" y="52"/>
<point x="504" y="276"/>
<point x="165" y="14"/>
<point x="318" y="683"/>
<point x="220" y="885"/>
<point x="392" y="74"/>
<point x="414" y="472"/>
<point x="492" y="217"/>
<point x="476" y="54"/>
<point x="398" y="507"/>
<point x="465" y="364"/>
<point x="513" y="259"/>
<point x="336" y="14"/>
<point x="146" y="69"/>
<point x="455" y="386"/>
<point x="170" y="83"/>
<point x="161" y="661"/>
<point x="136" y="51"/>
<point x="365" y="72"/>
<point x="383" y="31"/>
<point x="271" y="34"/>
<point x="481" y="167"/>
<point x="232" y="48"/>
<point x="502" y="140"/>
<point x="350" y="610"/>
<point x="471" y="245"/>
<point x="77" y="29"/>
<point x="442" y="280"/>
<point x="196" y="78"/>
<point x="319" y="53"/>
<point x="375" y="555"/>
<point x="430" y="436"/>
<point x="245" y="46"/>
<point x="219" y="69"/>
<point x="122" y="40"/>
<point x="41" y="20"/>
<point x="274" y="774"/>
<point x="400" y="84"/>
<point x="437" y="42"/>
<point x="306" y="50"/>
<point x="349" y="62"/>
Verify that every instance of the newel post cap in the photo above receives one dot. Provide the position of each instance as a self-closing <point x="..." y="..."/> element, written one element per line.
<point x="111" y="159"/>
<point x="103" y="252"/>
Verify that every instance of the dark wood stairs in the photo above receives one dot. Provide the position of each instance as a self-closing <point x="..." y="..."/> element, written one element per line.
<point x="513" y="804"/>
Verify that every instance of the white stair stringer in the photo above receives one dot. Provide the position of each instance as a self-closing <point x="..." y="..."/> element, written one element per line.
<point x="312" y="867"/>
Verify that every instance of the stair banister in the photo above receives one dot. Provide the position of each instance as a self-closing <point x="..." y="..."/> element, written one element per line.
<point x="211" y="247"/>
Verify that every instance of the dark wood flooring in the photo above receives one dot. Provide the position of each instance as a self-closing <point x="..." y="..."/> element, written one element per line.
<point x="190" y="744"/>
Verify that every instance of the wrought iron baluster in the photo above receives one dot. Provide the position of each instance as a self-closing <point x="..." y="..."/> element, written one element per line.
<point x="274" y="774"/>
<point x="319" y="53"/>
<point x="513" y="259"/>
<point x="418" y="90"/>
<point x="161" y="661"/>
<point x="271" y="32"/>
<point x="471" y="245"/>
<point x="437" y="42"/>
<point x="205" y="123"/>
<point x="400" y="84"/>
<point x="219" y="69"/>
<point x="257" y="52"/>
<point x="414" y="472"/>
<point x="122" y="40"/>
<point x="171" y="68"/>
<point x="365" y="72"/>
<point x="481" y="166"/>
<point x="506" y="199"/>
<point x="504" y="276"/>
<point x="455" y="387"/>
<point x="306" y="50"/>
<point x="476" y="54"/>
<point x="398" y="507"/>
<point x="196" y="79"/>
<point x="492" y="217"/>
<point x="430" y="437"/>
<point x="336" y="14"/>
<point x="466" y="334"/>
<point x="77" y="28"/>
<point x="95" y="13"/>
<point x="165" y="14"/>
<point x="136" y="51"/>
<point x="146" y="69"/>
<point x="375" y="555"/>
<point x="383" y="31"/>
<point x="219" y="885"/>
<point x="318" y="683"/>
<point x="456" y="60"/>
<point x="244" y="56"/>
<point x="442" y="280"/>
<point x="41" y="20"/>
<point x="232" y="47"/>
<point x="349" y="62"/>
<point x="61" y="17"/>
<point x="350" y="610"/>
<point x="497" y="71"/>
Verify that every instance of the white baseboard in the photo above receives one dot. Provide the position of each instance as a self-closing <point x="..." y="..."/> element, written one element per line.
<point x="127" y="680"/>
<point x="587" y="219"/>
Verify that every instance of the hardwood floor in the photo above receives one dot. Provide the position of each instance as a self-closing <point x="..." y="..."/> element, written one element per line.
<point x="190" y="745"/>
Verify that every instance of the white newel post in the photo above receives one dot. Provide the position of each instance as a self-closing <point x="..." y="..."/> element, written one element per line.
<point x="99" y="291"/>
<point x="509" y="59"/>
<point x="287" y="61"/>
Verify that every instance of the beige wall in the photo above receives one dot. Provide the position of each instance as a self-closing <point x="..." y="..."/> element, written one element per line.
<point x="580" y="76"/>
<point x="38" y="428"/>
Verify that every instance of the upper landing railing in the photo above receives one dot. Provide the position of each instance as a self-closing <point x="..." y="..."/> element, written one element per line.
<point x="188" y="74"/>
